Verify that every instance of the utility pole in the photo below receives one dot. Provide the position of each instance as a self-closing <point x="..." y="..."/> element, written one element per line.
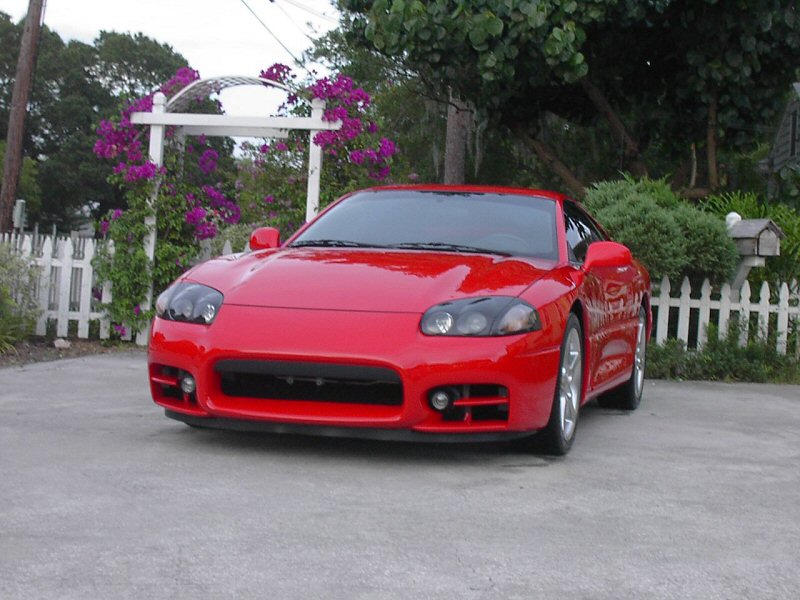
<point x="19" y="105"/>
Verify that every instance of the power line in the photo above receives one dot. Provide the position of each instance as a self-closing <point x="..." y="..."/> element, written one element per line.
<point x="310" y="10"/>
<point x="275" y="37"/>
<point x="288" y="16"/>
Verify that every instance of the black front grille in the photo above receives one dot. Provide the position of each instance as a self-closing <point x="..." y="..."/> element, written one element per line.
<point x="318" y="382"/>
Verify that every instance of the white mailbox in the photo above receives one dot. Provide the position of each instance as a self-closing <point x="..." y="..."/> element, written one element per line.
<point x="757" y="237"/>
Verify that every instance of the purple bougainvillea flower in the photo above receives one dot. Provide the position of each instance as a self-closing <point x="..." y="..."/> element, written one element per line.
<point x="205" y="231"/>
<point x="386" y="148"/>
<point x="208" y="161"/>
<point x="195" y="216"/>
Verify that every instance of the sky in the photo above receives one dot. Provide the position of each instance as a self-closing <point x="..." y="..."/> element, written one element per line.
<point x="217" y="37"/>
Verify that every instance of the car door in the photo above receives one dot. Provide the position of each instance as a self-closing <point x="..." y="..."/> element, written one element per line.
<point x="608" y="300"/>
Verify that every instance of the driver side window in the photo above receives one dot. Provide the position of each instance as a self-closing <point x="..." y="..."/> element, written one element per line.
<point x="580" y="232"/>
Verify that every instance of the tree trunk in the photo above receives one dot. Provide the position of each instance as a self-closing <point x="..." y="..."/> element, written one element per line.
<point x="695" y="193"/>
<point x="455" y="153"/>
<point x="549" y="158"/>
<point x="632" y="154"/>
<point x="19" y="103"/>
<point x="711" y="146"/>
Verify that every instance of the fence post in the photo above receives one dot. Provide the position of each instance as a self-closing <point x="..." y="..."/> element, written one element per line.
<point x="105" y="299"/>
<point x="705" y="314"/>
<point x="724" y="310"/>
<point x="662" y="325"/>
<point x="763" y="310"/>
<point x="65" y="250"/>
<point x="85" y="297"/>
<point x="744" y="314"/>
<point x="783" y="319"/>
<point x="684" y="311"/>
<point x="46" y="265"/>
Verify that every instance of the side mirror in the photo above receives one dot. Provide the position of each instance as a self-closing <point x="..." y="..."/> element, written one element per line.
<point x="264" y="238"/>
<point x="606" y="254"/>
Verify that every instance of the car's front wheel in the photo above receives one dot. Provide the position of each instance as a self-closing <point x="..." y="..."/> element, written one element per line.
<point x="559" y="434"/>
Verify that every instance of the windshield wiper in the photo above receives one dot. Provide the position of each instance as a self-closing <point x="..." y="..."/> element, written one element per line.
<point x="332" y="244"/>
<point x="447" y="248"/>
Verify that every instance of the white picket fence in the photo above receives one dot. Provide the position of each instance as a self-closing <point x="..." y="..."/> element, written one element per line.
<point x="67" y="280"/>
<point x="696" y="311"/>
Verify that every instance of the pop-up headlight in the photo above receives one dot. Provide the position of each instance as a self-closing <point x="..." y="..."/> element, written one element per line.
<point x="190" y="303"/>
<point x="487" y="316"/>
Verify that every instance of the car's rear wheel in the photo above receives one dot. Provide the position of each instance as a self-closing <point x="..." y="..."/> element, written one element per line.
<point x="629" y="395"/>
<point x="559" y="434"/>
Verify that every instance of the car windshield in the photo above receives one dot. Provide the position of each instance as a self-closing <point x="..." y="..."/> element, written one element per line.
<point x="484" y="222"/>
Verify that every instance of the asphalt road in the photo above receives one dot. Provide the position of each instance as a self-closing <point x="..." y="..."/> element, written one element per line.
<point x="695" y="495"/>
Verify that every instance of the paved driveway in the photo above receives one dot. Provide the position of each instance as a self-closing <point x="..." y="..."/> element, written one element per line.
<point x="695" y="495"/>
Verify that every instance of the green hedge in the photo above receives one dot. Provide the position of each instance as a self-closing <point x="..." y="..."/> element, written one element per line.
<point x="722" y="360"/>
<point x="670" y="236"/>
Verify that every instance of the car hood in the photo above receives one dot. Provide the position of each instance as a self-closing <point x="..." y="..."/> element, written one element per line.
<point x="364" y="280"/>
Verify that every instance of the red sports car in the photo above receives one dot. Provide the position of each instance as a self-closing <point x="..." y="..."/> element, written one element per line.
<point x="410" y="312"/>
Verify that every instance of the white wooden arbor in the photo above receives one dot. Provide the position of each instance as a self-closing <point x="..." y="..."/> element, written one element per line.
<point x="168" y="113"/>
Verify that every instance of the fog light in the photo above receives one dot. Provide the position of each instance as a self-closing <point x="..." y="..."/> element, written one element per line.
<point x="188" y="384"/>
<point x="440" y="400"/>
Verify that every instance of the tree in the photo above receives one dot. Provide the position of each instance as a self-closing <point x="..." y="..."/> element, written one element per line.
<point x="660" y="75"/>
<point x="132" y="65"/>
<point x="416" y="114"/>
<point x="75" y="86"/>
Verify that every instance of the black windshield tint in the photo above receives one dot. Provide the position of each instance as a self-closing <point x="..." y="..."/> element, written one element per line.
<point x="483" y="222"/>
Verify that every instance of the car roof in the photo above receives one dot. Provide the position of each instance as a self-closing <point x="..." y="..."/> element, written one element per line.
<point x="481" y="189"/>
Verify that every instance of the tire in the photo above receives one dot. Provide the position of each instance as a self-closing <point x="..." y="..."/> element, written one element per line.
<point x="629" y="394"/>
<point x="557" y="437"/>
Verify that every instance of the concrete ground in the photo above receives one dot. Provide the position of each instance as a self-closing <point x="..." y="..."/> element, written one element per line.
<point x="695" y="495"/>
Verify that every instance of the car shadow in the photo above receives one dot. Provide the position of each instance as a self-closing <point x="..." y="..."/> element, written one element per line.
<point x="521" y="452"/>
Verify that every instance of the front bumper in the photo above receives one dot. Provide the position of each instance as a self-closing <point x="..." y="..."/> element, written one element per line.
<point x="260" y="368"/>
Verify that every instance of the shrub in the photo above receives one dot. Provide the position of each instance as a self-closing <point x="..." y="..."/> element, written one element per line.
<point x="709" y="250"/>
<point x="651" y="232"/>
<point x="668" y="235"/>
<point x="18" y="307"/>
<point x="609" y="193"/>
